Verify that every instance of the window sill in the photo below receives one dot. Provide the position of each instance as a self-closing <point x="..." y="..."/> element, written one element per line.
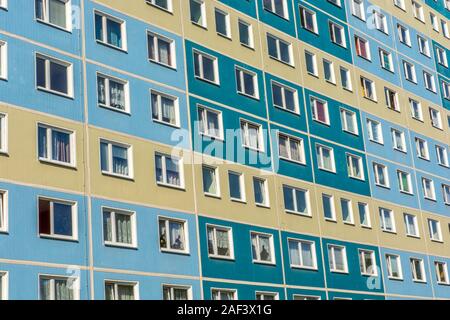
<point x="330" y="220"/>
<point x="388" y="231"/>
<point x="412" y="236"/>
<point x="176" y="126"/>
<point x="297" y="113"/>
<point x="173" y="68"/>
<point x="304" y="268"/>
<point x="262" y="206"/>
<point x="348" y="223"/>
<point x="159" y="7"/>
<point x="226" y="37"/>
<point x="61" y="94"/>
<point x="265" y="263"/>
<point x="395" y="279"/>
<point x="120" y="245"/>
<point x="247" y="46"/>
<point x="208" y="81"/>
<point x="211" y="195"/>
<point x="400" y="150"/>
<point x="53" y="25"/>
<point x="238" y="200"/>
<point x="114" y="175"/>
<point x="377" y="142"/>
<point x="339" y="271"/>
<point x="383" y="186"/>
<point x="430" y="199"/>
<point x="248" y="95"/>
<point x="58" y="163"/>
<point x="298" y="213"/>
<point x="406" y="193"/>
<point x="212" y="137"/>
<point x="253" y="149"/>
<point x="292" y="161"/>
<point x="4" y="153"/>
<point x="327" y="170"/>
<point x="288" y="64"/>
<point x="171" y="186"/>
<point x="437" y="241"/>
<point x="106" y="44"/>
<point x="231" y="259"/>
<point x="356" y="134"/>
<point x="420" y="281"/>
<point x="56" y="237"/>
<point x="104" y="106"/>
<point x="357" y="178"/>
<point x="173" y="251"/>
<point x="4" y="231"/>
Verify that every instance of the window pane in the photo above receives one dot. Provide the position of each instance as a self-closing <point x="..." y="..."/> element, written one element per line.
<point x="62" y="219"/>
<point x="58" y="78"/>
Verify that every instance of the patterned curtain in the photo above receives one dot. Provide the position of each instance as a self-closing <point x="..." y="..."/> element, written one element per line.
<point x="61" y="146"/>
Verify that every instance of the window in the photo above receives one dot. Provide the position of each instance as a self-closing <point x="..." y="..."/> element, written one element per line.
<point x="428" y="189"/>
<point x="394" y="267"/>
<point x="115" y="290"/>
<point x="347" y="211"/>
<point x="410" y="71"/>
<point x="444" y="27"/>
<point x="198" y="14"/>
<point x="416" y="109"/>
<point x="291" y="148"/>
<point x="434" y="227"/>
<point x="3" y="60"/>
<point x="434" y="22"/>
<point x="285" y="97"/>
<point x="411" y="227"/>
<point x="329" y="211"/>
<point x="112" y="93"/>
<point x="422" y="149"/>
<point x="303" y="297"/>
<point x="337" y="34"/>
<point x="446" y="89"/>
<point x="164" y="108"/>
<point x="319" y="110"/>
<point x="169" y="171"/>
<point x="223" y="294"/>
<point x="380" y="21"/>
<point x="346" y="80"/>
<point x="400" y="4"/>
<point x="210" y="181"/>
<point x="247" y="83"/>
<point x="386" y="60"/>
<point x="261" y="192"/>
<point x="403" y="35"/>
<point x="222" y="23"/>
<point x="364" y="215"/>
<point x="58" y="288"/>
<point x="245" y="33"/>
<point x="362" y="48"/>
<point x="435" y="116"/>
<point x="119" y="228"/>
<point x="325" y="158"/>
<point x="205" y="67"/>
<point x="424" y="46"/>
<point x="337" y="258"/>
<point x="335" y="2"/>
<point x="161" y="50"/>
<point x="279" y="49"/>
<point x="220" y="243"/>
<point x="441" y="154"/>
<point x="3" y="286"/>
<point x="442" y="56"/>
<point x="251" y="135"/>
<point x="3" y="212"/>
<point x="266" y="296"/>
<point x="210" y="122"/>
<point x="328" y="70"/>
<point x="441" y="272"/>
<point x="54" y="12"/>
<point x="172" y="292"/>
<point x="417" y="270"/>
<point x="381" y="175"/>
<point x="162" y="4"/>
<point x="236" y="186"/>
<point x="116" y="159"/>
<point x="358" y="9"/>
<point x="57" y="219"/>
<point x="367" y="262"/>
<point x="56" y="145"/>
<point x="173" y="235"/>
<point x="368" y="89"/>
<point x="391" y="99"/>
<point x="308" y="20"/>
<point x="278" y="7"/>
<point x="429" y="81"/>
<point x="302" y="254"/>
<point x="387" y="221"/>
<point x="54" y="75"/>
<point x="110" y="30"/>
<point x="296" y="200"/>
<point x="311" y="63"/>
<point x="374" y="131"/>
<point x="446" y="193"/>
<point x="398" y="140"/>
<point x="355" y="167"/>
<point x="349" y="121"/>
<point x="262" y="248"/>
<point x="404" y="182"/>
<point x="4" y="5"/>
<point x="418" y="11"/>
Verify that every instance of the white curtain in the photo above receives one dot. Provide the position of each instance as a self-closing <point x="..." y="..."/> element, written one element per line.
<point x="294" y="253"/>
<point x="173" y="172"/>
<point x="164" y="52"/>
<point x="117" y="95"/>
<point x="123" y="228"/>
<point x="63" y="290"/>
<point x="177" y="235"/>
<point x="107" y="226"/>
<point x="168" y="110"/>
<point x="57" y="14"/>
<point x="101" y="90"/>
<point x="223" y="248"/>
<point x="120" y="160"/>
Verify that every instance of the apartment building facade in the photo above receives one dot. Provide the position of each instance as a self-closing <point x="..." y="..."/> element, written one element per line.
<point x="224" y="149"/>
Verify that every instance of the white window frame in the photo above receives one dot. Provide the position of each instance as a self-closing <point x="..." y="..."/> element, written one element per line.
<point x="370" y="132"/>
<point x="348" y="79"/>
<point x="123" y="30"/>
<point x="382" y="212"/>
<point x="413" y="102"/>
<point x="401" y="187"/>
<point x="328" y="65"/>
<point x="226" y="16"/>
<point x="3" y="133"/>
<point x="301" y="148"/>
<point x="402" y="147"/>
<point x="249" y="27"/>
<point x="443" y="161"/>
<point x="241" y="82"/>
<point x="393" y="258"/>
<point x="285" y="14"/>
<point x="241" y="186"/>
<point x="314" y="101"/>
<point x="415" y="233"/>
<point x="217" y="178"/>
<point x="245" y="137"/>
<point x="361" y="42"/>
<point x="349" y="204"/>
<point x="110" y="171"/>
<point x="201" y="3"/>
<point x="74" y="216"/>
<point x="330" y="198"/>
<point x="429" y="81"/>
<point x="75" y="284"/>
<point x="262" y="294"/>
<point x="272" y="248"/>
<point x="3" y="60"/>
<point x="203" y="126"/>
<point x="69" y="70"/>
<point x="367" y="84"/>
<point x="201" y="56"/>
<point x="361" y="6"/>
<point x="392" y="105"/>
<point x="229" y="231"/>
<point x="278" y="49"/>
<point x="418" y="141"/>
<point x="285" y="88"/>
<point x="46" y="19"/>
<point x="406" y="40"/>
<point x="435" y="117"/>
<point x="303" y="12"/>
<point x="176" y="105"/>
<point x="382" y="52"/>
<point x="363" y="267"/>
<point x="168" y="248"/>
<point x="427" y="196"/>
<point x="319" y="154"/>
<point x="299" y="243"/>
<point x="344" y="121"/>
<point x="4" y="282"/>
<point x="219" y="290"/>
<point x="116" y="283"/>
<point x="4" y="211"/>
<point x="331" y="254"/>
<point x="368" y="224"/>
<point x="172" y="48"/>
<point x="155" y="4"/>
<point x="173" y="287"/>
<point x="49" y="151"/>
<point x="442" y="56"/>
<point x="446" y="199"/>
<point x="438" y="278"/>
<point x="333" y="28"/>
<point x="360" y="164"/>
<point x="385" y="174"/>
<point x="418" y="11"/>
<point x="412" y="69"/>
<point x="165" y="183"/>
<point x="313" y="58"/>
<point x="424" y="46"/>
<point x="126" y="89"/>
<point x="114" y="242"/>
<point x="414" y="271"/>
<point x="266" y="199"/>
<point x="294" y="197"/>
<point x="438" y="230"/>
<point x="4" y="4"/>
